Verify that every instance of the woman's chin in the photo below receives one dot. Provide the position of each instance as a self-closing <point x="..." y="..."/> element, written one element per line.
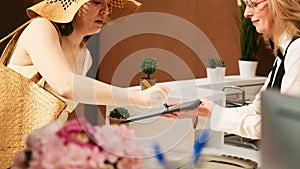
<point x="262" y="30"/>
<point x="95" y="31"/>
<point x="99" y="30"/>
<point x="259" y="30"/>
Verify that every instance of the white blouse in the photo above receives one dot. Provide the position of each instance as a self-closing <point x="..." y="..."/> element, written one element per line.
<point x="246" y="120"/>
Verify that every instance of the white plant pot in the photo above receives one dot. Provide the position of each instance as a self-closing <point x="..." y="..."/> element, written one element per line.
<point x="216" y="74"/>
<point x="247" y="68"/>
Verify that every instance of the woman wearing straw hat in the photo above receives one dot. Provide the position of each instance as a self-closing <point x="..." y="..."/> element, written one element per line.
<point x="54" y="44"/>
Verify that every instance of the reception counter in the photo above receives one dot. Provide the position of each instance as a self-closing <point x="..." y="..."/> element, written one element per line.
<point x="176" y="136"/>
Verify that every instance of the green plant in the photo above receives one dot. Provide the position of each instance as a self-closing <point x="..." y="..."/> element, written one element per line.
<point x="248" y="36"/>
<point x="215" y="62"/>
<point x="148" y="66"/>
<point x="119" y="113"/>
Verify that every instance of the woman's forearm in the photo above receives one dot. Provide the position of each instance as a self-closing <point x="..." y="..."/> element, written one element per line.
<point x="89" y="91"/>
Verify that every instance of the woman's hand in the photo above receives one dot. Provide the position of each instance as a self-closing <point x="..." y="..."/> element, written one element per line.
<point x="204" y="110"/>
<point x="154" y="96"/>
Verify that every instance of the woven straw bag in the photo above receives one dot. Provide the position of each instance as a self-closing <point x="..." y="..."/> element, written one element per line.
<point x="24" y="105"/>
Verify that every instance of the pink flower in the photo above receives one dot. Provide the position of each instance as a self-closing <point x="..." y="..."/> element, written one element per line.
<point x="78" y="157"/>
<point x="78" y="132"/>
<point x="37" y="134"/>
<point x="49" y="153"/>
<point x="19" y="160"/>
<point x="127" y="163"/>
<point x="96" y="159"/>
<point x="79" y="145"/>
<point x="118" y="142"/>
<point x="109" y="140"/>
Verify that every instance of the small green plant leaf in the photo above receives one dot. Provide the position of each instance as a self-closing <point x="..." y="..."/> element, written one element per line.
<point x="148" y="66"/>
<point x="248" y="36"/>
<point x="119" y="113"/>
<point x="215" y="62"/>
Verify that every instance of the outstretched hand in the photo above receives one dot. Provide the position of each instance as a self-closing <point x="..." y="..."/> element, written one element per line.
<point x="204" y="110"/>
<point x="154" y="96"/>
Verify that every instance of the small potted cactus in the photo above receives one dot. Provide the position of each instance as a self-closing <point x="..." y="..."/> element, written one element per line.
<point x="215" y="62"/>
<point x="216" y="69"/>
<point x="117" y="115"/>
<point x="148" y="66"/>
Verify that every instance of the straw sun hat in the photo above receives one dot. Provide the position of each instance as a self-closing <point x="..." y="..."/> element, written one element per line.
<point x="63" y="11"/>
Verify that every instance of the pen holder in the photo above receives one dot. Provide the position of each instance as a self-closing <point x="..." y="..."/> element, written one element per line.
<point x="116" y="121"/>
<point x="146" y="83"/>
<point x="117" y="115"/>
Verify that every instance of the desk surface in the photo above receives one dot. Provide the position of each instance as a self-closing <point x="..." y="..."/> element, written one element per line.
<point x="236" y="79"/>
<point x="180" y="159"/>
<point x="176" y="137"/>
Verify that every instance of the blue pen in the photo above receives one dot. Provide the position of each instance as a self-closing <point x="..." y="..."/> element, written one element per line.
<point x="199" y="144"/>
<point x="160" y="156"/>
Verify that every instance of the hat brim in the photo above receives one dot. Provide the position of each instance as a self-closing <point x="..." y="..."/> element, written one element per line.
<point x="130" y="7"/>
<point x="55" y="12"/>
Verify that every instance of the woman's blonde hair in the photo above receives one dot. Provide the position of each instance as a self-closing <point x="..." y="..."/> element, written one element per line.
<point x="287" y="18"/>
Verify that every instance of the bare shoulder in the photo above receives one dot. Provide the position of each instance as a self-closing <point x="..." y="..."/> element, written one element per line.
<point x="40" y="27"/>
<point x="40" y="22"/>
<point x="39" y="32"/>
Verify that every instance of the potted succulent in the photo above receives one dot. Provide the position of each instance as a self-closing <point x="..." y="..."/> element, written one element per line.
<point x="248" y="44"/>
<point x="117" y="115"/>
<point x="148" y="66"/>
<point x="216" y="69"/>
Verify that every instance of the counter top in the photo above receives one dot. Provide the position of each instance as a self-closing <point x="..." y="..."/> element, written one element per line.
<point x="229" y="80"/>
<point x="176" y="137"/>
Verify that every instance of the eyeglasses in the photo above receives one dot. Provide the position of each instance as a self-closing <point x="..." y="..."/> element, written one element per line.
<point x="252" y="4"/>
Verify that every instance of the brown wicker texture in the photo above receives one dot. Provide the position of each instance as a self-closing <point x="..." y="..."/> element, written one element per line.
<point x="122" y="8"/>
<point x="24" y="106"/>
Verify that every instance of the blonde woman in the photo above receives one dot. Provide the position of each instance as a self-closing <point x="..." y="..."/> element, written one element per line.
<point x="279" y="22"/>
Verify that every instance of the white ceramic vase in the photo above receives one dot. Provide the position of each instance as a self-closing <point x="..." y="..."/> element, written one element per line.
<point x="247" y="68"/>
<point x="216" y="74"/>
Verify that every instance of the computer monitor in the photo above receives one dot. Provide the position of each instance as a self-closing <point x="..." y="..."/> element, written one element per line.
<point x="280" y="145"/>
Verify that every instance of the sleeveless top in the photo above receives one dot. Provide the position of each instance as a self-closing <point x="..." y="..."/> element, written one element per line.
<point x="29" y="70"/>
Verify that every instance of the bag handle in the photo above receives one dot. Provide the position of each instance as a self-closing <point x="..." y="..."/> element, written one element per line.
<point x="21" y="28"/>
<point x="11" y="44"/>
<point x="8" y="50"/>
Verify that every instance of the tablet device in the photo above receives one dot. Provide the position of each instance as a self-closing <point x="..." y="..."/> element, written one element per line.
<point x="183" y="106"/>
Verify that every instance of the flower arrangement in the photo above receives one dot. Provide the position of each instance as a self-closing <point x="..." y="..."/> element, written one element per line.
<point x="80" y="145"/>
